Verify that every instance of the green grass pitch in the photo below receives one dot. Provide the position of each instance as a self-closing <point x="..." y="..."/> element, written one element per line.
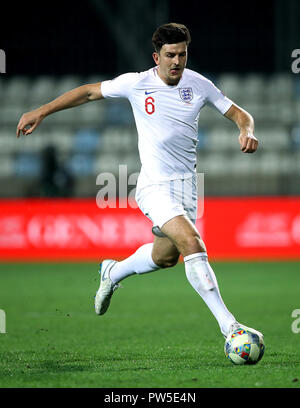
<point x="157" y="332"/>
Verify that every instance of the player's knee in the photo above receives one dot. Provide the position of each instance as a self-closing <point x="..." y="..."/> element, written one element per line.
<point x="193" y="243"/>
<point x="166" y="262"/>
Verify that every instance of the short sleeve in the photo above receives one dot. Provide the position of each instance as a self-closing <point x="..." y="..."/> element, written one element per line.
<point x="216" y="98"/>
<point x="119" y="87"/>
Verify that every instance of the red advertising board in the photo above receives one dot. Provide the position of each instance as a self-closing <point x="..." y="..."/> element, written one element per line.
<point x="253" y="228"/>
<point x="232" y="228"/>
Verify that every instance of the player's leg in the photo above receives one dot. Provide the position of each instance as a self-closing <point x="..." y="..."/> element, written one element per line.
<point x="184" y="235"/>
<point x="187" y="240"/>
<point x="138" y="263"/>
<point x="149" y="257"/>
<point x="112" y="272"/>
<point x="162" y="253"/>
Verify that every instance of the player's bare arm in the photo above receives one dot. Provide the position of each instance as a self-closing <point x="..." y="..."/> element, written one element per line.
<point x="245" y="123"/>
<point x="75" y="97"/>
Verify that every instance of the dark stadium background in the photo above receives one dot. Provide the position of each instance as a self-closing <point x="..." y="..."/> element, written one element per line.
<point x="63" y="37"/>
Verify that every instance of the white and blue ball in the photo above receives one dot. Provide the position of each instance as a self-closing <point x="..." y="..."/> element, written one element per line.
<point x="244" y="347"/>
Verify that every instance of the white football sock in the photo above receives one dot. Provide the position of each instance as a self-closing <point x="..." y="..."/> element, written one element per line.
<point x="140" y="262"/>
<point x="202" y="278"/>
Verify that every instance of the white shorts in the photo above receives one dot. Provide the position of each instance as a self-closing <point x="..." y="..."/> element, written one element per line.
<point x="165" y="200"/>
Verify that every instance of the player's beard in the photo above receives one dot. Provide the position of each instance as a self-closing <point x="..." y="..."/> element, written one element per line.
<point x="166" y="75"/>
<point x="174" y="75"/>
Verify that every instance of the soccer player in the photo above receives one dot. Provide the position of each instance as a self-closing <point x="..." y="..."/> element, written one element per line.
<point x="166" y="101"/>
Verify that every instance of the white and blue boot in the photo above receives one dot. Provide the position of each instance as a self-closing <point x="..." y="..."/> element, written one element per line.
<point x="106" y="288"/>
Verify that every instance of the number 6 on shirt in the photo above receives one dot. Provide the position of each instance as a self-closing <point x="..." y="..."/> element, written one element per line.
<point x="149" y="105"/>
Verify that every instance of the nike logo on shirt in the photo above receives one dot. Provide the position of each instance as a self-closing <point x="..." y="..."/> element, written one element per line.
<point x="148" y="93"/>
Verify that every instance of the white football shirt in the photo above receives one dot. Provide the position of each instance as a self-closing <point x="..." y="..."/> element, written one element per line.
<point x="166" y="118"/>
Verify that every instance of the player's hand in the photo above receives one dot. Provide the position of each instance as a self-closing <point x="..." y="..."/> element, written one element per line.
<point x="29" y="121"/>
<point x="248" y="142"/>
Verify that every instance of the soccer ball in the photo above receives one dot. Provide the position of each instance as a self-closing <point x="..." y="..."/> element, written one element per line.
<point x="244" y="347"/>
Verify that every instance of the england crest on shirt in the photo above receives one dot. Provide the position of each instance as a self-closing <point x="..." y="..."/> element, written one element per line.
<point x="186" y="94"/>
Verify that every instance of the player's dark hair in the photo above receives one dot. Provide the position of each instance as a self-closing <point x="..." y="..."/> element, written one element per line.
<point x="171" y="33"/>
